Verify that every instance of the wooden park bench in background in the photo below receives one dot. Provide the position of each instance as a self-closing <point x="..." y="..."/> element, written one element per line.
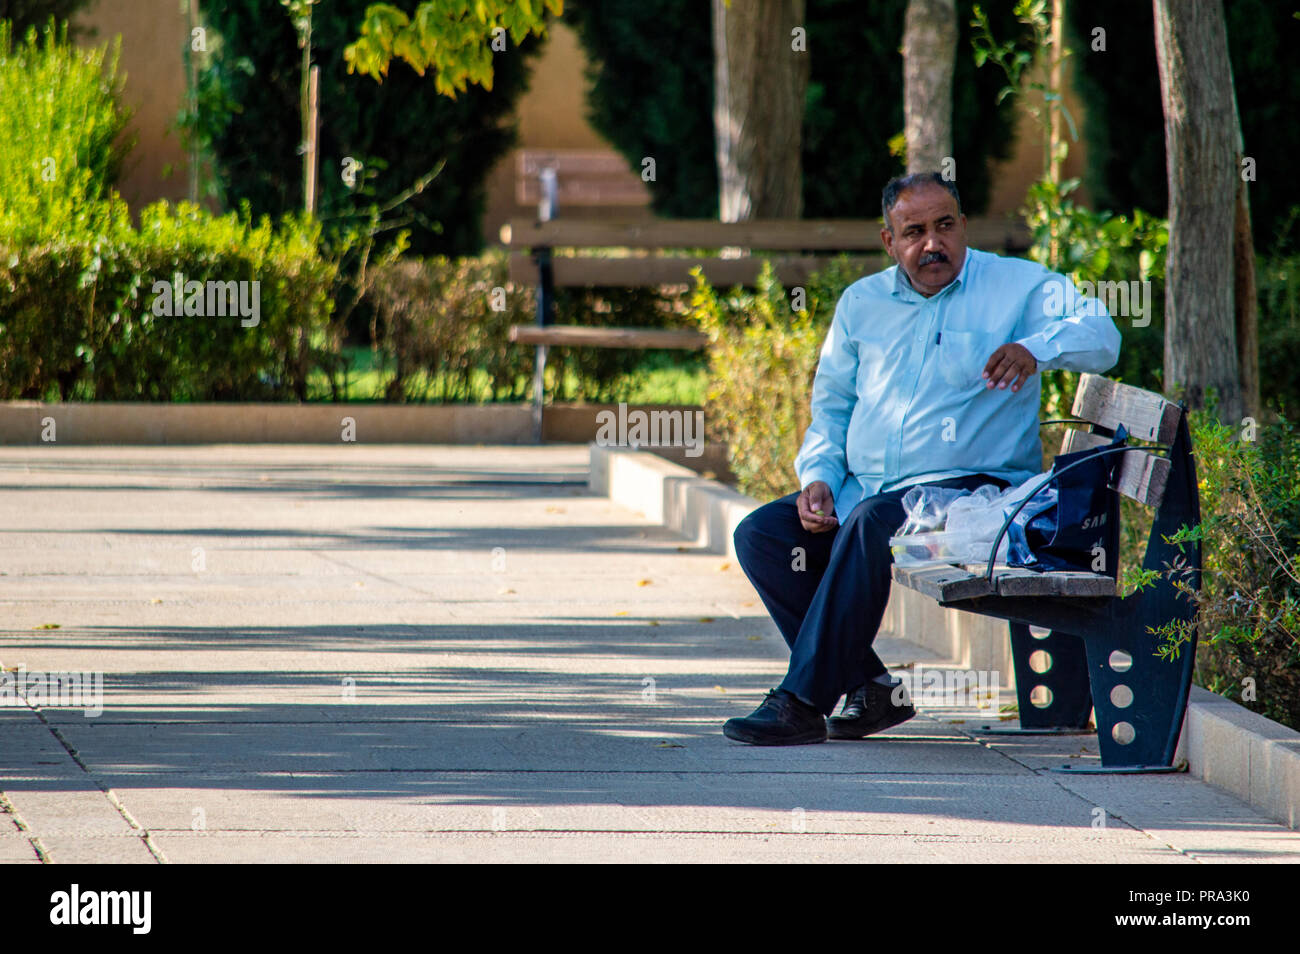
<point x="1100" y="652"/>
<point x="662" y="252"/>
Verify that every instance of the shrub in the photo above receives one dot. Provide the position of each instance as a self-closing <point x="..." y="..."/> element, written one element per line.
<point x="1101" y="247"/>
<point x="600" y="374"/>
<point x="1279" y="316"/>
<point x="35" y="13"/>
<point x="61" y="136"/>
<point x="762" y="357"/>
<point x="1249" y="602"/>
<point x="76" y="318"/>
<point x="438" y="321"/>
<point x="247" y="115"/>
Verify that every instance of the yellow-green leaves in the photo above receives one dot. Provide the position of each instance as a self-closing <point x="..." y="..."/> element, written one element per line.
<point x="456" y="39"/>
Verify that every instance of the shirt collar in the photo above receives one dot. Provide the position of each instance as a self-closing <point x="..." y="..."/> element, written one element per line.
<point x="903" y="287"/>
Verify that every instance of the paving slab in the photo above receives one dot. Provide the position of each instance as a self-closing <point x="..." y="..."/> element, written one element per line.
<point x="384" y="653"/>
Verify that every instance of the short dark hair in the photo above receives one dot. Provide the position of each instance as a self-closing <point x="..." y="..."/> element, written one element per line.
<point x="900" y="184"/>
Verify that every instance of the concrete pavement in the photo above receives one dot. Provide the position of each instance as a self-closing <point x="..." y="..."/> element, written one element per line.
<point x="403" y="653"/>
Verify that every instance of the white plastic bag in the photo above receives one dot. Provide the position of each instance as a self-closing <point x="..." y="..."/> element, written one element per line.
<point x="970" y="523"/>
<point x="927" y="507"/>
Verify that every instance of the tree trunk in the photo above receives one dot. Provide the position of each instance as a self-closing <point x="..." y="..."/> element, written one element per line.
<point x="761" y="75"/>
<point x="1245" y="297"/>
<point x="1201" y="146"/>
<point x="929" y="56"/>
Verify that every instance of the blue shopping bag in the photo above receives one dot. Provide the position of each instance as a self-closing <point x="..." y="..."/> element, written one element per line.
<point x="1081" y="531"/>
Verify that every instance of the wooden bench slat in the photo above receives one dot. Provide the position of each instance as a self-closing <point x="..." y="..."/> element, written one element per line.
<point x="775" y="234"/>
<point x="582" y="336"/>
<point x="590" y="177"/>
<point x="640" y="272"/>
<point x="571" y="162"/>
<point x="1147" y="415"/>
<point x="949" y="583"/>
<point x="1142" y="475"/>
<point x="945" y="583"/>
<point x="623" y="190"/>
<point x="839" y="235"/>
<point x="1018" y="581"/>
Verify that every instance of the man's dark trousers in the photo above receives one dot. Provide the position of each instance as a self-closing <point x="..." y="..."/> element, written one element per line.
<point x="829" y="610"/>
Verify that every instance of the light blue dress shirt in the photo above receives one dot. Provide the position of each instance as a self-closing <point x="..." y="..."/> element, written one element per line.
<point x="899" y="396"/>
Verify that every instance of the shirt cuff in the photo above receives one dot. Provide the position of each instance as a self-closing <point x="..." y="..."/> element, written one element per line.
<point x="1044" y="352"/>
<point x="830" y="476"/>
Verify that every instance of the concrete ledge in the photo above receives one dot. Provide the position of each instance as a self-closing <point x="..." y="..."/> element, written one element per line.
<point x="26" y="423"/>
<point x="1255" y="758"/>
<point x="1226" y="745"/>
<point x="971" y="641"/>
<point x="669" y="494"/>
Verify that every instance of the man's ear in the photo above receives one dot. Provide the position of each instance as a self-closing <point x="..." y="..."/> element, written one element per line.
<point x="887" y="237"/>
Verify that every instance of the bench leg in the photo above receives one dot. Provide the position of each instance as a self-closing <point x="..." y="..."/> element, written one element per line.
<point x="539" y="392"/>
<point x="1065" y="681"/>
<point x="545" y="316"/>
<point x="1139" y="698"/>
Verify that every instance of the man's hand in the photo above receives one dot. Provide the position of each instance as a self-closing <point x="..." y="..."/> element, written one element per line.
<point x="1011" y="364"/>
<point x="817" y="508"/>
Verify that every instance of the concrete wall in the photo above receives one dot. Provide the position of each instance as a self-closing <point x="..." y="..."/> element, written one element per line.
<point x="28" y="423"/>
<point x="154" y="35"/>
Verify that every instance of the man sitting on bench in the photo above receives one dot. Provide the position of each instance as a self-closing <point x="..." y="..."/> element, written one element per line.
<point x="927" y="376"/>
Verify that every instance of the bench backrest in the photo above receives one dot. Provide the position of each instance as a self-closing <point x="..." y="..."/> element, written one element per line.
<point x="837" y="235"/>
<point x="584" y="177"/>
<point x="1146" y="415"/>
<point x="802" y="247"/>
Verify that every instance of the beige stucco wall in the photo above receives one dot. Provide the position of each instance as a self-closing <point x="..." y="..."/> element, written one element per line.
<point x="1011" y="179"/>
<point x="153" y="39"/>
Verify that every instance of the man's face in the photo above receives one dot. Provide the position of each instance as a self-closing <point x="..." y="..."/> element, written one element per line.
<point x="929" y="237"/>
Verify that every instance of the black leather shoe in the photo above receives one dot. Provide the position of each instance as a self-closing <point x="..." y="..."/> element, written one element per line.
<point x="781" y="719"/>
<point x="870" y="709"/>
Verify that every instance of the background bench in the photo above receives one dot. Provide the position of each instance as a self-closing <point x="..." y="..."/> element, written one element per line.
<point x="796" y="248"/>
<point x="558" y="253"/>
<point x="1099" y="653"/>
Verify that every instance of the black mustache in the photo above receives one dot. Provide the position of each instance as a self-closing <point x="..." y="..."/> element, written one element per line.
<point x="931" y="257"/>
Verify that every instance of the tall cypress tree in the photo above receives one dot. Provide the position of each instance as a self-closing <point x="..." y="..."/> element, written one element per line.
<point x="398" y="130"/>
<point x="650" y="73"/>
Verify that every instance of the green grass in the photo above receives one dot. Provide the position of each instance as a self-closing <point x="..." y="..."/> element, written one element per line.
<point x="664" y="378"/>
<point x="659" y="379"/>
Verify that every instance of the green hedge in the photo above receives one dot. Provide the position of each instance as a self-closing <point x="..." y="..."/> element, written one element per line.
<point x="77" y="316"/>
<point x="763" y="351"/>
<point x="78" y="280"/>
<point x="441" y="328"/>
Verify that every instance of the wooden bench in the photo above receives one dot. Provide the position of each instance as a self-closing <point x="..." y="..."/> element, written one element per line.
<point x="796" y="248"/>
<point x="1099" y="653"/>
<point x="662" y="252"/>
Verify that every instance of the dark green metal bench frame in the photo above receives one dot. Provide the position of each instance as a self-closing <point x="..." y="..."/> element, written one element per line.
<point x="1101" y="648"/>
